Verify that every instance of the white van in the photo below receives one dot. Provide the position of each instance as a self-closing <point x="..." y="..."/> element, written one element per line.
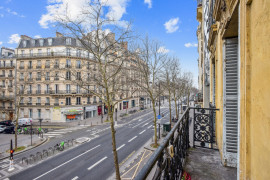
<point x="25" y="121"/>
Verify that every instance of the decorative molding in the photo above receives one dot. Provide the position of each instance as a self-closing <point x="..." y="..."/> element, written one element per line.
<point x="248" y="2"/>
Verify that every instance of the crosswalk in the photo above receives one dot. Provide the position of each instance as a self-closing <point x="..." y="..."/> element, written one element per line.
<point x="61" y="132"/>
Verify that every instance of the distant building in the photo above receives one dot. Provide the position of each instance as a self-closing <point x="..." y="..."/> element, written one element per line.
<point x="7" y="81"/>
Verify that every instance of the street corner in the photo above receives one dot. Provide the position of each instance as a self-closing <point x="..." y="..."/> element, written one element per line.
<point x="136" y="165"/>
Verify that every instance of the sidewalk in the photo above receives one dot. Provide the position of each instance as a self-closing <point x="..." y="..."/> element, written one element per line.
<point x="23" y="140"/>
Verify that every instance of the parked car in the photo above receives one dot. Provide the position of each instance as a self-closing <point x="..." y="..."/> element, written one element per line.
<point x="2" y="128"/>
<point x="9" y="130"/>
<point x="25" y="121"/>
<point x="6" y="123"/>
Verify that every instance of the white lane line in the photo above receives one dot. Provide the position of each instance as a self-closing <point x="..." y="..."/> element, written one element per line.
<point x="132" y="138"/>
<point x="91" y="167"/>
<point x="140" y="119"/>
<point x="120" y="147"/>
<point x="145" y="124"/>
<point x="66" y="162"/>
<point x="142" y="132"/>
<point x="75" y="178"/>
<point x="149" y="126"/>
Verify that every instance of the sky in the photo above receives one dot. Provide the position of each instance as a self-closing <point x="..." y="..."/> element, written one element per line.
<point x="171" y="22"/>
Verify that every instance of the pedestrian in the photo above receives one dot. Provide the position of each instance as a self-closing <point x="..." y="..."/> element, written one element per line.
<point x="172" y="119"/>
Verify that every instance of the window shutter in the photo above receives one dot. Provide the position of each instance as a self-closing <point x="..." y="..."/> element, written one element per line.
<point x="231" y="101"/>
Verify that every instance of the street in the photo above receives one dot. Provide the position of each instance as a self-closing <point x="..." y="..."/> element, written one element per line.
<point x="94" y="159"/>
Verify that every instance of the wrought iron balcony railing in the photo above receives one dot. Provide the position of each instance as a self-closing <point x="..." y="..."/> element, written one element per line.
<point x="178" y="140"/>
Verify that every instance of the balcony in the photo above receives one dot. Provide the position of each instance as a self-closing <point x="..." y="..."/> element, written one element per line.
<point x="2" y="75"/>
<point x="21" y="79"/>
<point x="47" y="66"/>
<point x="21" y="104"/>
<point x="30" y="80"/>
<point x="38" y="67"/>
<point x="6" y="98"/>
<point x="56" y="104"/>
<point x="38" y="79"/>
<point x="56" y="78"/>
<point x="10" y="75"/>
<point x="47" y="104"/>
<point x="78" y="67"/>
<point x="38" y="91"/>
<point x="7" y="66"/>
<point x="52" y="54"/>
<point x="2" y="86"/>
<point x="30" y="67"/>
<point x="68" y="66"/>
<point x="29" y="92"/>
<point x="47" y="79"/>
<point x="56" y="66"/>
<point x="88" y="102"/>
<point x="174" y="155"/>
<point x="48" y="92"/>
<point x="38" y="104"/>
<point x="29" y="104"/>
<point x="21" y="67"/>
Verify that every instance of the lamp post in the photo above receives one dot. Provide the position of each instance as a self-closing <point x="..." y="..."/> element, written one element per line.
<point x="40" y="120"/>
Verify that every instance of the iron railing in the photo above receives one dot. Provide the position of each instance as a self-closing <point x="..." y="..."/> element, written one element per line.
<point x="170" y="165"/>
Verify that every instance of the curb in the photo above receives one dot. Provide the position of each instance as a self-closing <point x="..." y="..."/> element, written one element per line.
<point x="26" y="149"/>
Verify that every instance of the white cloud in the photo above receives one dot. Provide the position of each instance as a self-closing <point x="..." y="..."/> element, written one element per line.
<point x="1" y="15"/>
<point x="9" y="11"/>
<point x="172" y="25"/>
<point x="163" y="50"/>
<point x="149" y="2"/>
<point x="73" y="9"/>
<point x="37" y="36"/>
<point x="191" y="45"/>
<point x="1" y="42"/>
<point x="14" y="39"/>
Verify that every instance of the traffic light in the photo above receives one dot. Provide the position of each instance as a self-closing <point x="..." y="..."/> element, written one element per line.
<point x="11" y="153"/>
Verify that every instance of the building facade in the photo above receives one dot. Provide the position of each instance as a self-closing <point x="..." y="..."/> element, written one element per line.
<point x="239" y="65"/>
<point x="46" y="71"/>
<point x="7" y="86"/>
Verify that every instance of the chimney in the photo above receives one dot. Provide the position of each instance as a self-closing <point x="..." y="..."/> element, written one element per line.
<point x="111" y="37"/>
<point x="24" y="37"/>
<point x="58" y="34"/>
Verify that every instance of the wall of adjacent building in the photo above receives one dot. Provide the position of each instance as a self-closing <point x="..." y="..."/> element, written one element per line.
<point x="255" y="90"/>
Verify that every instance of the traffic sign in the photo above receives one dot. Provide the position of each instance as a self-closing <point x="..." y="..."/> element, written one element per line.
<point x="159" y="116"/>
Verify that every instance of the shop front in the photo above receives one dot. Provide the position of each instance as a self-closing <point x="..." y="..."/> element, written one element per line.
<point x="90" y="111"/>
<point x="72" y="114"/>
<point x="125" y="104"/>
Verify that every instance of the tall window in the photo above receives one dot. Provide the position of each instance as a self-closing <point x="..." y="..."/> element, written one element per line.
<point x="39" y="113"/>
<point x="41" y="42"/>
<point x="56" y="101"/>
<point x="48" y="51"/>
<point x="78" y="89"/>
<point x="39" y="64"/>
<point x="68" y="51"/>
<point x="30" y="89"/>
<point x="78" y="64"/>
<point x="47" y="75"/>
<point x="68" y="88"/>
<point x="50" y="42"/>
<point x="31" y="113"/>
<point x="47" y="88"/>
<point x="33" y="42"/>
<point x="39" y="52"/>
<point x="56" y="65"/>
<point x="30" y="75"/>
<point x="78" y="100"/>
<point x="56" y="88"/>
<point x="68" y="101"/>
<point x="38" y="75"/>
<point x="22" y="53"/>
<point x="39" y="87"/>
<point x="78" y="75"/>
<point x="47" y="65"/>
<point x="24" y="43"/>
<point x="68" y="41"/>
<point x="88" y="100"/>
<point x="31" y="52"/>
<point x="78" y="53"/>
<point x="56" y="76"/>
<point x="21" y="64"/>
<point x="30" y="100"/>
<point x="68" y="75"/>
<point x="47" y="100"/>
<point x="38" y="100"/>
<point x="68" y="63"/>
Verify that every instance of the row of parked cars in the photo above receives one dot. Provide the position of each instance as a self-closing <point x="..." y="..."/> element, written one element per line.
<point x="8" y="126"/>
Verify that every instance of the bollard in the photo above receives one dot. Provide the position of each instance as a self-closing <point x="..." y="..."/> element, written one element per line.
<point x="39" y="154"/>
<point x="25" y="159"/>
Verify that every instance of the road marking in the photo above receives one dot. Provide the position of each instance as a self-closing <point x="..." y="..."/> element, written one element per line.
<point x="145" y="124"/>
<point x="142" y="132"/>
<point x="66" y="162"/>
<point x="76" y="177"/>
<point x="140" y="119"/>
<point x="149" y="126"/>
<point x="132" y="138"/>
<point x="120" y="147"/>
<point x="91" y="167"/>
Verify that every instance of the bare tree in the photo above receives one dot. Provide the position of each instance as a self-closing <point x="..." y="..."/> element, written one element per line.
<point x="105" y="45"/>
<point x="150" y="62"/>
<point x="175" y="73"/>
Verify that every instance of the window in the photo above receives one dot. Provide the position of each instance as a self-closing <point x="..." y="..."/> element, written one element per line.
<point x="31" y="113"/>
<point x="41" y="42"/>
<point x="78" y="100"/>
<point x="68" y="63"/>
<point x="39" y="75"/>
<point x="39" y="100"/>
<point x="11" y="63"/>
<point x="78" y="42"/>
<point x="56" y="88"/>
<point x="10" y="73"/>
<point x="21" y="64"/>
<point x="47" y="88"/>
<point x="47" y="65"/>
<point x="30" y="89"/>
<point x="78" y="75"/>
<point x="31" y="52"/>
<point x="24" y="43"/>
<point x="48" y="51"/>
<point x="68" y="41"/>
<point x="10" y="83"/>
<point x="30" y="64"/>
<point x="88" y="100"/>
<point x="68" y="51"/>
<point x="22" y="100"/>
<point x="38" y="87"/>
<point x="95" y="99"/>
<point x="21" y="88"/>
<point x="33" y="42"/>
<point x="88" y="76"/>
<point x="30" y="100"/>
<point x="39" y="52"/>
<point x="56" y="65"/>
<point x="68" y="88"/>
<point x="39" y="113"/>
<point x="3" y="83"/>
<point x="49" y="41"/>
<point x="3" y="73"/>
<point x="68" y="75"/>
<point x="88" y="89"/>
<point x="56" y="101"/>
<point x="78" y="53"/>
<point x="39" y="64"/>
<point x="56" y="76"/>
<point x="88" y="65"/>
<point x="47" y="100"/>
<point x="78" y="89"/>
<point x="47" y="76"/>
<point x="68" y="101"/>
<point x="78" y="64"/>
<point x="22" y="53"/>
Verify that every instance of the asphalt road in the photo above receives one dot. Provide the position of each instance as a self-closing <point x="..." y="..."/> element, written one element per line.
<point x="94" y="159"/>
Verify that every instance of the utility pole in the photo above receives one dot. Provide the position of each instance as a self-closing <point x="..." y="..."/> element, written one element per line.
<point x="159" y="98"/>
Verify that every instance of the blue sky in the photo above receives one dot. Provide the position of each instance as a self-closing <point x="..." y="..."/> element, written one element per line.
<point x="172" y="22"/>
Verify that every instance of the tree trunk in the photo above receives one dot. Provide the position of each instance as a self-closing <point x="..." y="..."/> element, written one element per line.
<point x="16" y="127"/>
<point x="170" y="108"/>
<point x="155" y="122"/>
<point x="176" y="110"/>
<point x="117" y="172"/>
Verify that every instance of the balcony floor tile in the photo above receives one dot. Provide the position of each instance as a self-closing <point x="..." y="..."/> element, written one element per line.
<point x="205" y="164"/>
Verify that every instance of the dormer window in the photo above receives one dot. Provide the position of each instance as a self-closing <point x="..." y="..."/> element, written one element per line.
<point x="33" y="42"/>
<point x="50" y="42"/>
<point x="78" y="42"/>
<point x="68" y="41"/>
<point x="41" y="42"/>
<point x="24" y="43"/>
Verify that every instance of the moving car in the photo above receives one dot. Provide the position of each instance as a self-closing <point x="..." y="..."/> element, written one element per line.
<point x="2" y="128"/>
<point x="6" y="123"/>
<point x="9" y="130"/>
<point x="25" y="121"/>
